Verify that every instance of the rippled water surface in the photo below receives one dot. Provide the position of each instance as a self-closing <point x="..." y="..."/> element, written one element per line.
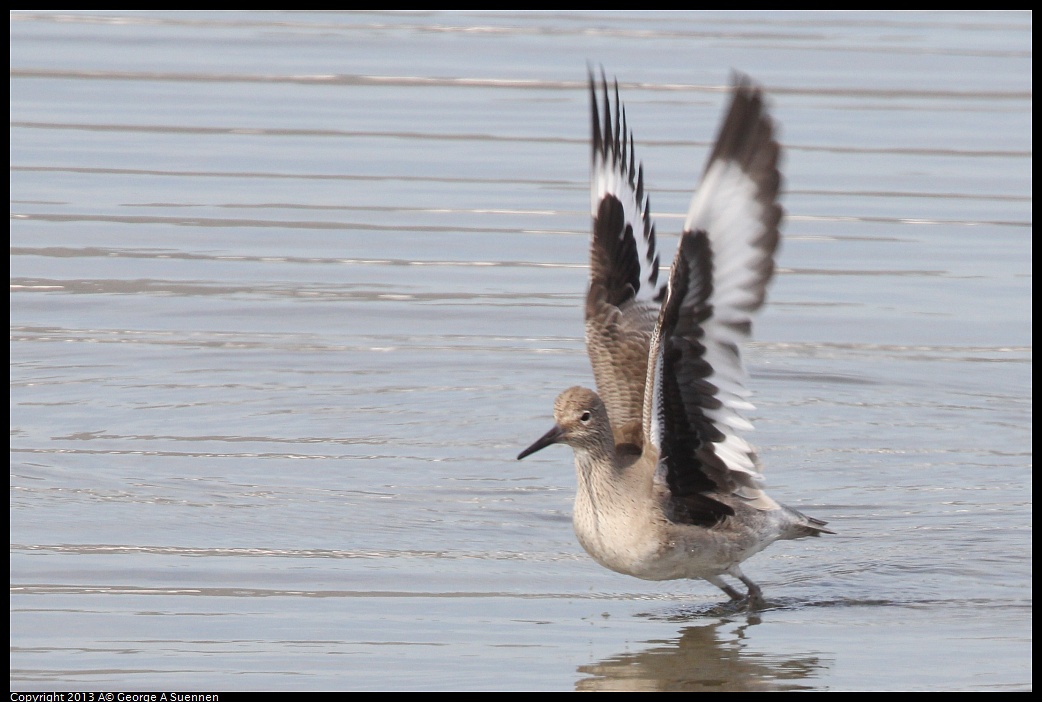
<point x="289" y="292"/>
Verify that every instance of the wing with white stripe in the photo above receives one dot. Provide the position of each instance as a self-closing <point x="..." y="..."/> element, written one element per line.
<point x="719" y="278"/>
<point x="624" y="297"/>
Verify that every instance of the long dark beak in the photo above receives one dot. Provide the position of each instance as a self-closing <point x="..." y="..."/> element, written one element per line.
<point x="550" y="437"/>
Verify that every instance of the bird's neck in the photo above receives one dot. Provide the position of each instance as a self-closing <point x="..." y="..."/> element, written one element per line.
<point x="604" y="475"/>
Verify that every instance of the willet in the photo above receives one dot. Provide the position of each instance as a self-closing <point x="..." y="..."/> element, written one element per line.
<point x="667" y="486"/>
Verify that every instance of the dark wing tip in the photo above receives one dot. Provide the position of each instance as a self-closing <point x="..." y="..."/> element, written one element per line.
<point x="596" y="140"/>
<point x="747" y="133"/>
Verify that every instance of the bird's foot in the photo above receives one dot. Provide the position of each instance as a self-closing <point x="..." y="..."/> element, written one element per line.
<point x="754" y="596"/>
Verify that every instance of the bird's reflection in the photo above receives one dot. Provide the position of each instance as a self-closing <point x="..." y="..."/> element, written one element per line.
<point x="709" y="656"/>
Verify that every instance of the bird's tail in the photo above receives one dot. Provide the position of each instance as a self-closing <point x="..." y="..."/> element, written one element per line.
<point x="802" y="525"/>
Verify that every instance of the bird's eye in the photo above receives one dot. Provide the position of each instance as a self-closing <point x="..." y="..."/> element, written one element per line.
<point x="585" y="417"/>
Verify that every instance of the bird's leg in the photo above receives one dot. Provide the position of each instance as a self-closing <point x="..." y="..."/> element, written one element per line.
<point x="755" y="593"/>
<point x="720" y="583"/>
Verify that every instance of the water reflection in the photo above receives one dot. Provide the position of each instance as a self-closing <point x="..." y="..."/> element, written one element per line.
<point x="707" y="657"/>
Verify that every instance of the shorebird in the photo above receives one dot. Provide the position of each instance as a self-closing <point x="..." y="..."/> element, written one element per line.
<point x="667" y="486"/>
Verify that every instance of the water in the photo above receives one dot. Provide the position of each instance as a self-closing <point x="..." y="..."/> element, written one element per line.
<point x="289" y="291"/>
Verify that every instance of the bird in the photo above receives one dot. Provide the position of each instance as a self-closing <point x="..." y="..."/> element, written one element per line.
<point x="667" y="486"/>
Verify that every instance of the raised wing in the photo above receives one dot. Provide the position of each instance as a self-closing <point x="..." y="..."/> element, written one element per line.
<point x="624" y="297"/>
<point x="719" y="278"/>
